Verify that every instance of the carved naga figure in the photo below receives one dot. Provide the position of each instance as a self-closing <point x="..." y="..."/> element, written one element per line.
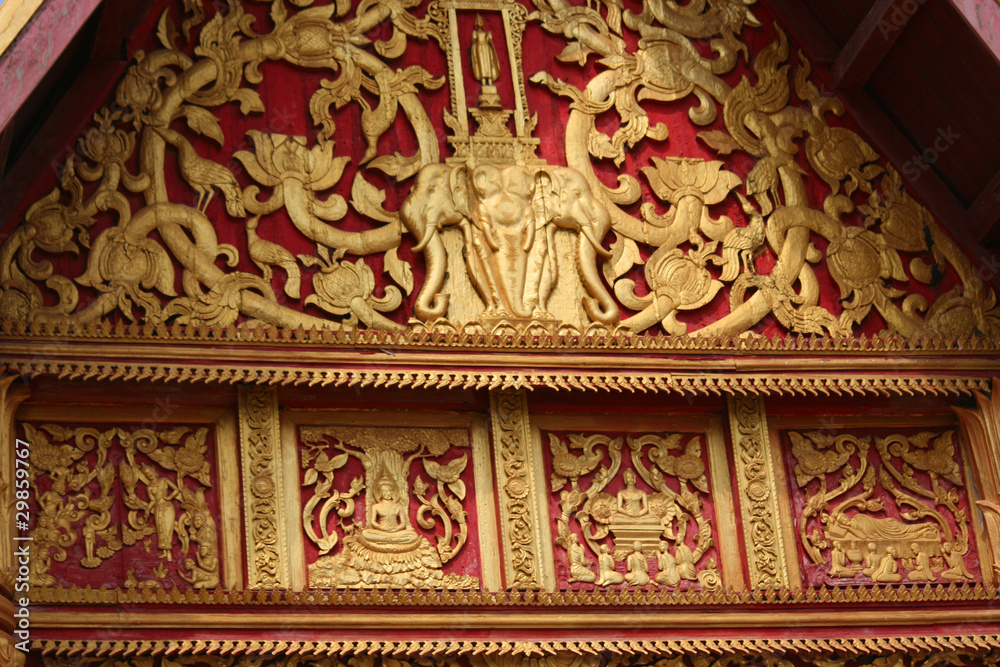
<point x="508" y="216"/>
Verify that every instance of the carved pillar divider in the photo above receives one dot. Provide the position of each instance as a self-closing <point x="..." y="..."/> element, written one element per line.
<point x="11" y="396"/>
<point x="981" y="432"/>
<point x="765" y="521"/>
<point x="527" y="540"/>
<point x="263" y="506"/>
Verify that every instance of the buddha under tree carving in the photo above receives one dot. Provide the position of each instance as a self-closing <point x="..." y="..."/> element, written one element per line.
<point x="383" y="549"/>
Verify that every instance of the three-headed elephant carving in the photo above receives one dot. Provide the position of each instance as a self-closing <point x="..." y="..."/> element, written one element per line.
<point x="508" y="216"/>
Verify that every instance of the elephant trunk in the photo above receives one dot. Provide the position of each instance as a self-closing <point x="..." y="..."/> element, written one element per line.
<point x="430" y="304"/>
<point x="599" y="305"/>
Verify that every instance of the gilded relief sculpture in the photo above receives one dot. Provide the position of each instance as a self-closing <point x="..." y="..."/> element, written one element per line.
<point x="628" y="530"/>
<point x="382" y="548"/>
<point x="892" y="513"/>
<point x="508" y="241"/>
<point x="165" y="510"/>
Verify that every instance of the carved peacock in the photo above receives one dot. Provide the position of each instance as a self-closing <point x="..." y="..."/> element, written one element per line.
<point x="203" y="175"/>
<point x="742" y="243"/>
<point x="266" y="254"/>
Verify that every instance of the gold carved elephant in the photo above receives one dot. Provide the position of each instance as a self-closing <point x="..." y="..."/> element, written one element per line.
<point x="508" y="216"/>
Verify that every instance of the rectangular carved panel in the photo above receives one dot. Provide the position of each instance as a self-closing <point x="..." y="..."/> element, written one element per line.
<point x="635" y="503"/>
<point x="405" y="505"/>
<point x="881" y="504"/>
<point x="263" y="506"/>
<point x="125" y="504"/>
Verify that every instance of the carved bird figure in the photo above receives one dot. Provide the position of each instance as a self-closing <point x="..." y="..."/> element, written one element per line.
<point x="266" y="254"/>
<point x="204" y="175"/>
<point x="742" y="243"/>
<point x="568" y="465"/>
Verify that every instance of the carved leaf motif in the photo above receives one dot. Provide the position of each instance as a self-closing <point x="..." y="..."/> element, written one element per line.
<point x="399" y="270"/>
<point x="719" y="141"/>
<point x="311" y="476"/>
<point x="447" y="473"/>
<point x="204" y="122"/>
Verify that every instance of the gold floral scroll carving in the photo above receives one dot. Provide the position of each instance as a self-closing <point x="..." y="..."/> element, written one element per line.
<point x="981" y="431"/>
<point x="260" y="446"/>
<point x="758" y="500"/>
<point x="510" y="241"/>
<point x="519" y="481"/>
<point x="102" y="491"/>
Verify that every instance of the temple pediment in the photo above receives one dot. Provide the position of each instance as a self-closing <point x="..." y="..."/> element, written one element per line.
<point x="494" y="334"/>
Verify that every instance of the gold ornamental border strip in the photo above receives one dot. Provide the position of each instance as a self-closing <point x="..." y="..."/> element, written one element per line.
<point x="418" y="598"/>
<point x="596" y="337"/>
<point x="666" y="648"/>
<point x="706" y="383"/>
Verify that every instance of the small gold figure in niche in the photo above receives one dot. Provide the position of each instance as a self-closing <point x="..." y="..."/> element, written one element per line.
<point x="606" y="563"/>
<point x="871" y="560"/>
<point x="579" y="566"/>
<point x="485" y="63"/>
<point x="638" y="566"/>
<point x="667" y="566"/>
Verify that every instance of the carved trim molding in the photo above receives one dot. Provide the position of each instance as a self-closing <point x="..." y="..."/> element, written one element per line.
<point x="267" y="553"/>
<point x="599" y="338"/>
<point x="519" y="518"/>
<point x="747" y="646"/>
<point x="758" y="493"/>
<point x="418" y="598"/>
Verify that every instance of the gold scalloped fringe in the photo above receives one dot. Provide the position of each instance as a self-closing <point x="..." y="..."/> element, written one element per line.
<point x="683" y="384"/>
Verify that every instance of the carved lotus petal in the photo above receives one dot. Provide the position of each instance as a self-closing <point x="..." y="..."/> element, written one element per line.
<point x="674" y="178"/>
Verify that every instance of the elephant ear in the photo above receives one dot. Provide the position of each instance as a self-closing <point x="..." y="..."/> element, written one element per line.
<point x="546" y="197"/>
<point x="458" y="181"/>
<point x="486" y="180"/>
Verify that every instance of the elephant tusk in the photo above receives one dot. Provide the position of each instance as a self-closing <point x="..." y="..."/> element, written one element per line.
<point x="428" y="233"/>
<point x="589" y="233"/>
<point x="529" y="236"/>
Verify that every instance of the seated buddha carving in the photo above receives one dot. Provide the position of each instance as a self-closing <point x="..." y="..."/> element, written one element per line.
<point x="388" y="523"/>
<point x="632" y="504"/>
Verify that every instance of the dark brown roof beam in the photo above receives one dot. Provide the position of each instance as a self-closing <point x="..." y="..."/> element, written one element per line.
<point x="871" y="41"/>
<point x="985" y="211"/>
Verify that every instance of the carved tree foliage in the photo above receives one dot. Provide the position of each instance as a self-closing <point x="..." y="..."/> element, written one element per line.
<point x="151" y="242"/>
<point x="101" y="491"/>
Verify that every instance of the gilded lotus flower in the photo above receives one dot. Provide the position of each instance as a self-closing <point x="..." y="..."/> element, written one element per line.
<point x="688" y="466"/>
<point x="280" y="157"/>
<point x="674" y="178"/>
<point x="338" y="285"/>
<point x="838" y="152"/>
